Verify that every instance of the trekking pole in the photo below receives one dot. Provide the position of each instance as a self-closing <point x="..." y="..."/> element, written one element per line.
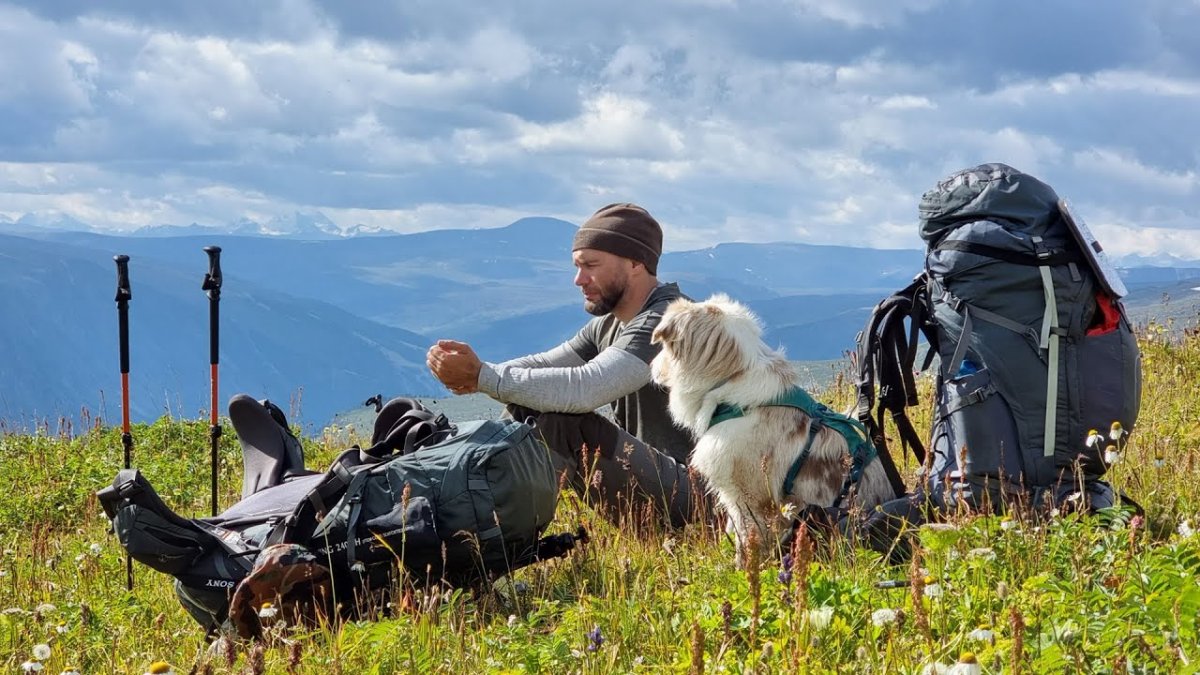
<point x="124" y="295"/>
<point x="212" y="285"/>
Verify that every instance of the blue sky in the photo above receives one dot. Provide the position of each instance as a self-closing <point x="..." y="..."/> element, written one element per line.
<point x="731" y="120"/>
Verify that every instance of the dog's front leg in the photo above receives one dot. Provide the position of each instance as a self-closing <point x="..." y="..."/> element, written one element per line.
<point x="748" y="535"/>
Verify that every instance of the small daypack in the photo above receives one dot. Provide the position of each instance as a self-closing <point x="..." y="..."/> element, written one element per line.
<point x="1039" y="371"/>
<point x="445" y="503"/>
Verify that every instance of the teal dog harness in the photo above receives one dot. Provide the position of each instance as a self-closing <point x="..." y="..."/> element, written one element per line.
<point x="862" y="452"/>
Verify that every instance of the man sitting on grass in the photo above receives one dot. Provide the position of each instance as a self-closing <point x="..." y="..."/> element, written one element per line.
<point x="640" y="461"/>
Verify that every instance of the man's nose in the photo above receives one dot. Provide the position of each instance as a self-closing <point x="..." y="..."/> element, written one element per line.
<point x="580" y="278"/>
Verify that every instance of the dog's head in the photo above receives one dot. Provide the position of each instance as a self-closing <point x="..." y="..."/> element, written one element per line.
<point x="705" y="343"/>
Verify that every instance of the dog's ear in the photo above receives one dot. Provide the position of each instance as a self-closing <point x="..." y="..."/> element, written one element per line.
<point x="667" y="329"/>
<point x="665" y="332"/>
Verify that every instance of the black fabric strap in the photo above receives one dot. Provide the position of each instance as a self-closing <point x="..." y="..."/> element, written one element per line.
<point x="1029" y="260"/>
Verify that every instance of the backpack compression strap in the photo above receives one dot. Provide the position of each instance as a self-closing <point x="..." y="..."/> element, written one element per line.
<point x="1047" y="339"/>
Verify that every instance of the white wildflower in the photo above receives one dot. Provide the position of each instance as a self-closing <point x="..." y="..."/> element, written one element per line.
<point x="1116" y="432"/>
<point x="95" y="549"/>
<point x="884" y="617"/>
<point x="1008" y="524"/>
<point x="983" y="553"/>
<point x="1094" y="439"/>
<point x="45" y="608"/>
<point x="669" y="544"/>
<point x="32" y="667"/>
<point x="967" y="665"/>
<point x="268" y="611"/>
<point x="932" y="588"/>
<point x="61" y="628"/>
<point x="789" y="511"/>
<point x="41" y="652"/>
<point x="512" y="620"/>
<point x="1111" y="455"/>
<point x="981" y="634"/>
<point x="1185" y="529"/>
<point x="820" y="617"/>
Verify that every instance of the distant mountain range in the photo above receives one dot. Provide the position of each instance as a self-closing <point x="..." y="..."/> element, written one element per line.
<point x="330" y="319"/>
<point x="307" y="225"/>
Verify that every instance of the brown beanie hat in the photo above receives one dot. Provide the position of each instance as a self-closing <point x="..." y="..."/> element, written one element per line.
<point x="626" y="230"/>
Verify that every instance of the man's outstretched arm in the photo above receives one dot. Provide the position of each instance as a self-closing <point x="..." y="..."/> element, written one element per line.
<point x="575" y="389"/>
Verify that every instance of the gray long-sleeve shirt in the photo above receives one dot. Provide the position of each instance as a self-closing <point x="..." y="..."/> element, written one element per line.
<point x="605" y="362"/>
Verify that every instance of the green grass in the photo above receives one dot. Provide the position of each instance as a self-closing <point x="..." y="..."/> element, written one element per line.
<point x="1070" y="594"/>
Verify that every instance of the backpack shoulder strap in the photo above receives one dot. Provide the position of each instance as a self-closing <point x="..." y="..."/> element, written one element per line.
<point x="404" y="425"/>
<point x="885" y="358"/>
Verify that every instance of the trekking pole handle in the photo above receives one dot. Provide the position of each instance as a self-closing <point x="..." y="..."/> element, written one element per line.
<point x="123" y="292"/>
<point x="212" y="279"/>
<point x="212" y="287"/>
<point x="124" y="295"/>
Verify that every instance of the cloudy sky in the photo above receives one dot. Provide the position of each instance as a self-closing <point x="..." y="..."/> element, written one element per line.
<point x="816" y="121"/>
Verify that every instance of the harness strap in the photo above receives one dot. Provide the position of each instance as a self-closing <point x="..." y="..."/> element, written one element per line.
<point x="858" y="441"/>
<point x="789" y="481"/>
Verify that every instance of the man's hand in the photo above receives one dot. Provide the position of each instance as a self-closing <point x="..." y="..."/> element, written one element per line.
<point x="456" y="365"/>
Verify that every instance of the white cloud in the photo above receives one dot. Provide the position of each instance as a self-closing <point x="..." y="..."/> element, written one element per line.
<point x="610" y="125"/>
<point x="802" y="121"/>
<point x="1119" y="168"/>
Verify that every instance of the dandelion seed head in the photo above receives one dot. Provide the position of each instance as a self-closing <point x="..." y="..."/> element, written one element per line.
<point x="884" y="617"/>
<point x="41" y="652"/>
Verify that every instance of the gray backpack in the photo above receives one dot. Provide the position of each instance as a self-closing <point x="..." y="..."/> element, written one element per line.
<point x="1036" y="351"/>
<point x="457" y="504"/>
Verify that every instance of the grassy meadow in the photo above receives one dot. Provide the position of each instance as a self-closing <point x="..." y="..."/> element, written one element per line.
<point x="1069" y="594"/>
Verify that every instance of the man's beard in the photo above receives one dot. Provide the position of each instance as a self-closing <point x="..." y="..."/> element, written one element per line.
<point x="607" y="301"/>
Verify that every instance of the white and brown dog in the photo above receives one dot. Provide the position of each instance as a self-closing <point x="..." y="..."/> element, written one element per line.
<point x="713" y="355"/>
